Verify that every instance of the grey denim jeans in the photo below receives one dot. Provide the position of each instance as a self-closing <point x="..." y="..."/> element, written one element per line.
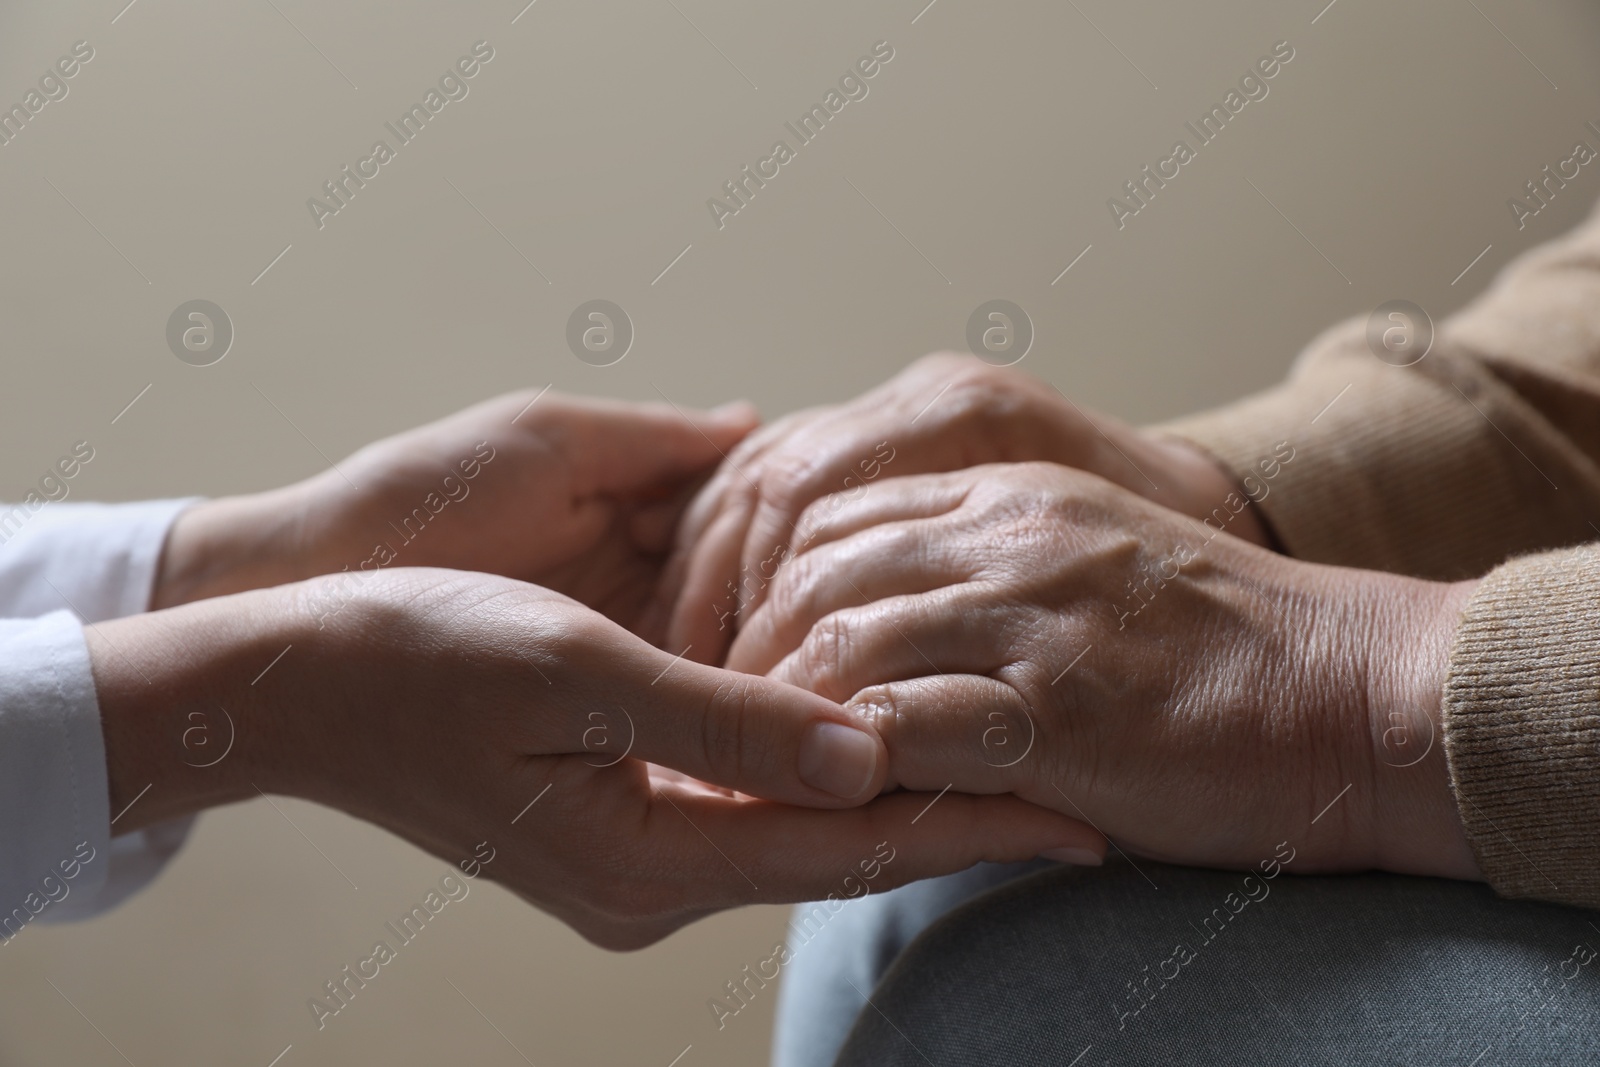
<point x="1043" y="964"/>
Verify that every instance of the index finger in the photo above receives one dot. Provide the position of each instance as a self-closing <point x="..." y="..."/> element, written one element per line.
<point x="721" y="852"/>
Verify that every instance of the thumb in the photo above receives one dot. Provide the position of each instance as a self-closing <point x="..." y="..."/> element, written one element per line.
<point x="633" y="448"/>
<point x="754" y="734"/>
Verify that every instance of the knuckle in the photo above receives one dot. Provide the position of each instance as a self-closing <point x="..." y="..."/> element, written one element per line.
<point x="814" y="521"/>
<point x="785" y="479"/>
<point x="888" y="709"/>
<point x="981" y="399"/>
<point x="1018" y="516"/>
<point x="974" y="373"/>
<point x="570" y="637"/>
<point x="765" y="571"/>
<point x="817" y="661"/>
<point x="1038" y="494"/>
<point x="745" y="451"/>
<point x="944" y="362"/>
<point x="1041" y="474"/>
<point x="792" y="591"/>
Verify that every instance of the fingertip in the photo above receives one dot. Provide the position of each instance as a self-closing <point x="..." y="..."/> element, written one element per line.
<point x="1075" y="842"/>
<point x="761" y="738"/>
<point x="737" y="413"/>
<point x="845" y="762"/>
<point x="829" y="756"/>
<point x="728" y="424"/>
<point x="1005" y="828"/>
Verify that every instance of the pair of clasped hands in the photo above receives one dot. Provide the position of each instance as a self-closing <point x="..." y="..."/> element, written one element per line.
<point x="729" y="661"/>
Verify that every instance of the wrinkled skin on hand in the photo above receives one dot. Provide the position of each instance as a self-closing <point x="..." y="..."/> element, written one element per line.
<point x="1037" y="630"/>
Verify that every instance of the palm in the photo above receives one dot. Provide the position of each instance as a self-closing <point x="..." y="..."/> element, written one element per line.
<point x="612" y="573"/>
<point x="579" y="496"/>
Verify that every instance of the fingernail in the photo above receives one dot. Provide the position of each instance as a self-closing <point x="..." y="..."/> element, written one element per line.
<point x="735" y="411"/>
<point x="1079" y="857"/>
<point x="837" y="759"/>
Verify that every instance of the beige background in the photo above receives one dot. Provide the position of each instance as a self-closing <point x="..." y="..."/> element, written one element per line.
<point x="592" y="141"/>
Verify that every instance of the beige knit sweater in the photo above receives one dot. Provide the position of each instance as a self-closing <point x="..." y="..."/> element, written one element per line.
<point x="1487" y="450"/>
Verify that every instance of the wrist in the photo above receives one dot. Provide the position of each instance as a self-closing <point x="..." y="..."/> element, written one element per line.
<point x="1198" y="486"/>
<point x="1165" y="470"/>
<point x="229" y="545"/>
<point x="186" y="708"/>
<point x="1415" y="824"/>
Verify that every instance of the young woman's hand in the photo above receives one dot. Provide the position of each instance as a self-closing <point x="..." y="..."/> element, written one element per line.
<point x="457" y="708"/>
<point x="577" y="495"/>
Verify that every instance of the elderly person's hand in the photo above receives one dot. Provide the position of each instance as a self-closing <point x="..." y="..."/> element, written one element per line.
<point x="458" y="708"/>
<point x="1037" y="630"/>
<point x="942" y="413"/>
<point x="577" y="495"/>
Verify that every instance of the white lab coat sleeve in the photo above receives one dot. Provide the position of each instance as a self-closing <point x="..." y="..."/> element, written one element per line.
<point x="63" y="566"/>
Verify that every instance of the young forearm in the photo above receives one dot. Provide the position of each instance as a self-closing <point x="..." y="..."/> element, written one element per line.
<point x="233" y="544"/>
<point x="181" y="687"/>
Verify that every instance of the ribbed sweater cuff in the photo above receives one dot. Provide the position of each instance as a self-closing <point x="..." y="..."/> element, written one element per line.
<point x="1522" y="726"/>
<point x="1395" y="469"/>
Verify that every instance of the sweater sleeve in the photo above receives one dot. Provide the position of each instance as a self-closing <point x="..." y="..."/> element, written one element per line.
<point x="1486" y="448"/>
<point x="1522" y="726"/>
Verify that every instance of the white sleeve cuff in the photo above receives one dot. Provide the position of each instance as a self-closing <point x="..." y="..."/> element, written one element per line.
<point x="57" y="860"/>
<point x="97" y="560"/>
